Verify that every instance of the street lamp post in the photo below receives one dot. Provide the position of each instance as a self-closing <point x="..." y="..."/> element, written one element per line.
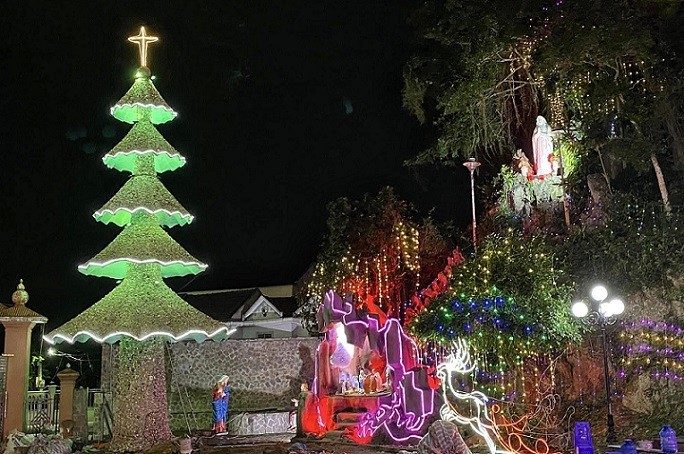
<point x="471" y="164"/>
<point x="602" y="313"/>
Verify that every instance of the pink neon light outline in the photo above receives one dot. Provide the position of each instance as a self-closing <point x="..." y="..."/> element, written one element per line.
<point x="390" y="413"/>
<point x="385" y="414"/>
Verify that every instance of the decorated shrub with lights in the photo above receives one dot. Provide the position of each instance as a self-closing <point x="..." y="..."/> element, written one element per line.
<point x="374" y="252"/>
<point x="141" y="313"/>
<point x="506" y="301"/>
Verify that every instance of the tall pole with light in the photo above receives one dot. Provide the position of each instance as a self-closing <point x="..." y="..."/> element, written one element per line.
<point x="471" y="164"/>
<point x="602" y="313"/>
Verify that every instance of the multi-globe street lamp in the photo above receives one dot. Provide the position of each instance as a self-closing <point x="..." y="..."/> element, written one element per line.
<point x="601" y="312"/>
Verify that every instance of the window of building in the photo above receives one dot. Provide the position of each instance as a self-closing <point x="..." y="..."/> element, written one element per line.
<point x="264" y="335"/>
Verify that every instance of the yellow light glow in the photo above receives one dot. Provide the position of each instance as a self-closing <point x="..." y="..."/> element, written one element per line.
<point x="142" y="40"/>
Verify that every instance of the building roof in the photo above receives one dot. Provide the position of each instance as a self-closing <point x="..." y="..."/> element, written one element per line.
<point x="232" y="304"/>
<point x="288" y="306"/>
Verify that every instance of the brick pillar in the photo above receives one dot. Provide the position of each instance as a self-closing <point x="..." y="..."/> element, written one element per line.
<point x="18" y="345"/>
<point x="67" y="383"/>
<point x="18" y="320"/>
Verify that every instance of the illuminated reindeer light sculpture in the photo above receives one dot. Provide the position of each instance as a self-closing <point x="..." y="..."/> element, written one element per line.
<point x="458" y="363"/>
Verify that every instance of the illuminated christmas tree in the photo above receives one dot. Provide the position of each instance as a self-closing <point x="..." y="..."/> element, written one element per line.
<point x="141" y="313"/>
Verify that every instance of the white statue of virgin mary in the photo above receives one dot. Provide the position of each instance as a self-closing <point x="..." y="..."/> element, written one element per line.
<point x="542" y="146"/>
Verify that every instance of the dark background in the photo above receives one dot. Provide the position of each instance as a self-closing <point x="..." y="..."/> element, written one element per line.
<point x="283" y="107"/>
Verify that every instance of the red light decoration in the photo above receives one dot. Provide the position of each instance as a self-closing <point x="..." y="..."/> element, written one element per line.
<point x="511" y="434"/>
<point x="438" y="286"/>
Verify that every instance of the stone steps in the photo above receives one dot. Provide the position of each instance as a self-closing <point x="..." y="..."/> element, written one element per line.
<point x="346" y="419"/>
<point x="348" y="416"/>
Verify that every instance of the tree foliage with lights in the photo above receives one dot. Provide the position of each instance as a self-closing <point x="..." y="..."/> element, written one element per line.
<point x="375" y="252"/>
<point x="609" y="73"/>
<point x="141" y="313"/>
<point x="470" y="76"/>
<point x="509" y="301"/>
<point x="640" y="248"/>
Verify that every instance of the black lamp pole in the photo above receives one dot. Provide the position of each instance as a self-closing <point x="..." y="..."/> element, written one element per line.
<point x="611" y="437"/>
<point x="601" y="313"/>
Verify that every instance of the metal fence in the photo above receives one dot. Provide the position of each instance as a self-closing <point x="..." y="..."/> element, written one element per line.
<point x="92" y="416"/>
<point x="3" y="390"/>
<point x="100" y="415"/>
<point x="42" y="411"/>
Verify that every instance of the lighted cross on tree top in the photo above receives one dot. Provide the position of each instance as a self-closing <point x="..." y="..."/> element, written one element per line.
<point x="142" y="40"/>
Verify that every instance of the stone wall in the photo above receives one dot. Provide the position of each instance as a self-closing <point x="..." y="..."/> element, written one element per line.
<point x="264" y="375"/>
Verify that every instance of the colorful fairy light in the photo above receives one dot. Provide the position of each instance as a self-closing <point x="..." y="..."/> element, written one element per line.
<point x="503" y="301"/>
<point x="653" y="347"/>
<point x="380" y="275"/>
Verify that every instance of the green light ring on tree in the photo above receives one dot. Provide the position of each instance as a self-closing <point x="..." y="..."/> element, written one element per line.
<point x="143" y="194"/>
<point x="132" y="112"/>
<point x="122" y="216"/>
<point x="118" y="268"/>
<point x="143" y="101"/>
<point x="138" y="306"/>
<point x="143" y="241"/>
<point x="111" y="338"/>
<point x="140" y="141"/>
<point x="124" y="161"/>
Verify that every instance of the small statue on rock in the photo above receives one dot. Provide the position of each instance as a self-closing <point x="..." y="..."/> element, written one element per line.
<point x="522" y="164"/>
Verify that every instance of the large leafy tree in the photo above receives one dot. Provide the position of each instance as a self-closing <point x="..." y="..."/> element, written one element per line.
<point x="470" y="76"/>
<point x="614" y="74"/>
<point x="608" y="72"/>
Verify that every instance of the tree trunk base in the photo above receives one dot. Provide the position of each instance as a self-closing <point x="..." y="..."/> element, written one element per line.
<point x="141" y="417"/>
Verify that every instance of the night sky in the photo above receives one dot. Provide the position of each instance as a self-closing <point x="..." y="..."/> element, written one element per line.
<point x="283" y="107"/>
